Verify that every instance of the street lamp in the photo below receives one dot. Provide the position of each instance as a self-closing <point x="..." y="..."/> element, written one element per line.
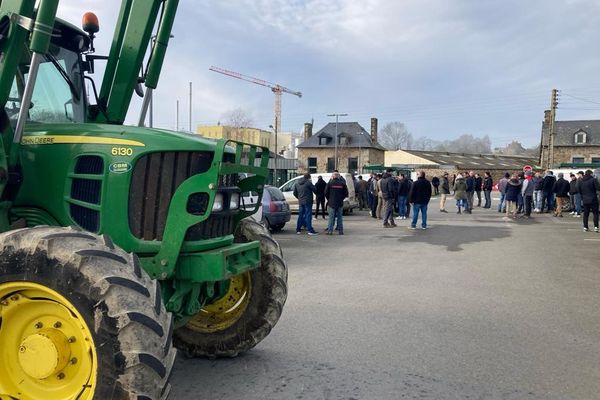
<point x="275" y="164"/>
<point x="335" y="160"/>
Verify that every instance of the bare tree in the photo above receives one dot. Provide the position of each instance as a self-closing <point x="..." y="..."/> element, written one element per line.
<point x="424" y="143"/>
<point x="395" y="136"/>
<point x="237" y="118"/>
<point x="466" y="144"/>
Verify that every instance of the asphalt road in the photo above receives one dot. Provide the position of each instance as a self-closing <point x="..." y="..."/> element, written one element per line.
<point x="474" y="308"/>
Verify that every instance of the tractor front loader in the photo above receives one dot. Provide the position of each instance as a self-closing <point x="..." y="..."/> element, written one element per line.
<point x="119" y="243"/>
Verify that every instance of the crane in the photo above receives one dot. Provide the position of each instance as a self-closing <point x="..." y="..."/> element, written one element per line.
<point x="275" y="88"/>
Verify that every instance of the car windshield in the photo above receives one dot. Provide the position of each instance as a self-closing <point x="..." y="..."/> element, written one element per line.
<point x="57" y="96"/>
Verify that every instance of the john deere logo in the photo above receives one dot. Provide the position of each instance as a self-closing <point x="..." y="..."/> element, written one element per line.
<point x="120" y="167"/>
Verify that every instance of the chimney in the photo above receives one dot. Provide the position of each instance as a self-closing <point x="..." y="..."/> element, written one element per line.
<point x="547" y="117"/>
<point x="374" y="130"/>
<point x="307" y="130"/>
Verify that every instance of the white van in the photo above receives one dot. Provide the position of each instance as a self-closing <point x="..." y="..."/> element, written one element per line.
<point x="350" y="202"/>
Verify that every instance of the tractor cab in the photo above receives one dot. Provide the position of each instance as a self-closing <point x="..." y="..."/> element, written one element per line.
<point x="59" y="95"/>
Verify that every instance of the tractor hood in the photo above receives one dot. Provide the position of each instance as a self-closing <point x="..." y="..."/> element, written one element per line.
<point x="146" y="139"/>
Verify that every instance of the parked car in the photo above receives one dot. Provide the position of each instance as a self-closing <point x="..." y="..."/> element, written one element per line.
<point x="350" y="202"/>
<point x="275" y="209"/>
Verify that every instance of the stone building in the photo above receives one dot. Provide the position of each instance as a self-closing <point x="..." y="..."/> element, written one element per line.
<point x="248" y="135"/>
<point x="355" y="148"/>
<point x="576" y="144"/>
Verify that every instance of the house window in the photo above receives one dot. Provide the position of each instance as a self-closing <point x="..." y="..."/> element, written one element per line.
<point x="330" y="164"/>
<point x="352" y="164"/>
<point x="595" y="160"/>
<point x="580" y="137"/>
<point x="578" y="160"/>
<point x="312" y="165"/>
<point x="322" y="141"/>
<point x="343" y="140"/>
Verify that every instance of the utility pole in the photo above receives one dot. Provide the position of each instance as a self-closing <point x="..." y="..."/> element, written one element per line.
<point x="190" y="122"/>
<point x="553" y="104"/>
<point x="335" y="159"/>
<point x="275" y="162"/>
<point x="177" y="123"/>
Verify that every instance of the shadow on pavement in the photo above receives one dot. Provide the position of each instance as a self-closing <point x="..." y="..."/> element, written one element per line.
<point x="454" y="237"/>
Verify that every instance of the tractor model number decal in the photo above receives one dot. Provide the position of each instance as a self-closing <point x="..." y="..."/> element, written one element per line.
<point x="121" y="151"/>
<point x="119" y="167"/>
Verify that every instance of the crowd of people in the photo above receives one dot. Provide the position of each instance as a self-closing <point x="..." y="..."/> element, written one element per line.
<point x="520" y="195"/>
<point x="391" y="197"/>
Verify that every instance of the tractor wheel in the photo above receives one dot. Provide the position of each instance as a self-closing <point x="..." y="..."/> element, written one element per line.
<point x="249" y="310"/>
<point x="79" y="319"/>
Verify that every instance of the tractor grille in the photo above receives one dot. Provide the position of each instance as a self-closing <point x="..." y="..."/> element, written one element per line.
<point x="155" y="179"/>
<point x="86" y="189"/>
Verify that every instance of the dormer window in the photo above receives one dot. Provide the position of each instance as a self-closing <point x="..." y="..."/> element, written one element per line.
<point x="580" y="137"/>
<point x="343" y="140"/>
<point x="323" y="140"/>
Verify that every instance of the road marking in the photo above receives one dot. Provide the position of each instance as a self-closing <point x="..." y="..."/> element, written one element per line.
<point x="593" y="240"/>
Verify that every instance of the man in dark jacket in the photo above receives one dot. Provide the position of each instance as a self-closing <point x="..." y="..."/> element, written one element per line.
<point x="488" y="185"/>
<point x="478" y="186"/>
<point x="335" y="192"/>
<point x="403" y="188"/>
<point x="389" y="193"/>
<point x="435" y="182"/>
<point x="303" y="191"/>
<point x="320" y="194"/>
<point x="419" y="196"/>
<point x="547" y="193"/>
<point x="561" y="190"/>
<point x="361" y="192"/>
<point x="589" y="188"/>
<point x="470" y="181"/>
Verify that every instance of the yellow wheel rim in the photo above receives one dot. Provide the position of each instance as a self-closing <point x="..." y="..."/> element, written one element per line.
<point x="227" y="310"/>
<point x="46" y="349"/>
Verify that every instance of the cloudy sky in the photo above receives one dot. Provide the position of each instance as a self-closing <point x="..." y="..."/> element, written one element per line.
<point x="443" y="67"/>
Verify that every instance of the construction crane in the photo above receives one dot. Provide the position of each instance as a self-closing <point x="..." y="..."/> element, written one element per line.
<point x="275" y="88"/>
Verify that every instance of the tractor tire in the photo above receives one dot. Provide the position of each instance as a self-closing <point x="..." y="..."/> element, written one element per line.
<point x="258" y="297"/>
<point x="91" y="304"/>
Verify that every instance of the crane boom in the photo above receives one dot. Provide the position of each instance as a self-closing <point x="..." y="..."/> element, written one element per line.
<point x="273" y="86"/>
<point x="276" y="88"/>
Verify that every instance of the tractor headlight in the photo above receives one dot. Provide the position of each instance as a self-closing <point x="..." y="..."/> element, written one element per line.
<point x="234" y="201"/>
<point x="218" y="204"/>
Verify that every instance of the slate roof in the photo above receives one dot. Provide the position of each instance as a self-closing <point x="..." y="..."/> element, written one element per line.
<point x="356" y="134"/>
<point x="475" y="161"/>
<point x="565" y="132"/>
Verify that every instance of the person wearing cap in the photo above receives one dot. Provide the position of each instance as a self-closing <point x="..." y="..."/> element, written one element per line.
<point x="561" y="190"/>
<point x="589" y="188"/>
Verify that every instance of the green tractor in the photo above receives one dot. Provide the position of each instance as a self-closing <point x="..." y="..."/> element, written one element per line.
<point x="119" y="243"/>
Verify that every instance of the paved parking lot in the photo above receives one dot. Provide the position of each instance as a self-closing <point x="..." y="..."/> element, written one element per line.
<point x="473" y="308"/>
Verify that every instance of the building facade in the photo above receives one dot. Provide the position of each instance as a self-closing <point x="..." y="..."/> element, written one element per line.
<point x="248" y="135"/>
<point x="355" y="148"/>
<point x="574" y="144"/>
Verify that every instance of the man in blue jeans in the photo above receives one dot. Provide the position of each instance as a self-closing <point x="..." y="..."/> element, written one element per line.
<point x="502" y="190"/>
<point x="335" y="192"/>
<point x="419" y="196"/>
<point x="303" y="191"/>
